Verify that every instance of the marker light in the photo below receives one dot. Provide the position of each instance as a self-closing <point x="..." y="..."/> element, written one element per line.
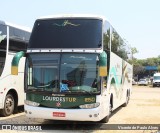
<point x="31" y="103"/>
<point x="89" y="106"/>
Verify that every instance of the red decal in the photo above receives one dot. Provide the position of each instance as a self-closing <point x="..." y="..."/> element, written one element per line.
<point x="59" y="114"/>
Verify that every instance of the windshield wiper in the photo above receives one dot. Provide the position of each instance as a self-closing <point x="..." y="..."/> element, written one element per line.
<point x="84" y="91"/>
<point x="77" y="91"/>
<point x="67" y="91"/>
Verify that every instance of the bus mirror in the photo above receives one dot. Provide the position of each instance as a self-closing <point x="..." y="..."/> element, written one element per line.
<point x="15" y="62"/>
<point x="103" y="64"/>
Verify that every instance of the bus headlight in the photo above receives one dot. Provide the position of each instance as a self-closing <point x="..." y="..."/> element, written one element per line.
<point x="89" y="106"/>
<point x="31" y="103"/>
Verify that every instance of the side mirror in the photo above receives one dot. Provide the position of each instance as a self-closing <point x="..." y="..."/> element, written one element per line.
<point x="103" y="64"/>
<point x="15" y="62"/>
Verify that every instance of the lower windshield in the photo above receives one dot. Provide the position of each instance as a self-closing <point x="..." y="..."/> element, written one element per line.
<point x="65" y="73"/>
<point x="79" y="73"/>
<point x="42" y="72"/>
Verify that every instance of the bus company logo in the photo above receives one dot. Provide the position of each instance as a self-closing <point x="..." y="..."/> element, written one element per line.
<point x="58" y="104"/>
<point x="65" y="23"/>
<point x="6" y="127"/>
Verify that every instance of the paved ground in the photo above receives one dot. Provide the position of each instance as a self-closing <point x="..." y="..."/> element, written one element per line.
<point x="143" y="108"/>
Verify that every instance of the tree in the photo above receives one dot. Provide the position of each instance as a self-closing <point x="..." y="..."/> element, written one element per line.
<point x="138" y="69"/>
<point x="133" y="51"/>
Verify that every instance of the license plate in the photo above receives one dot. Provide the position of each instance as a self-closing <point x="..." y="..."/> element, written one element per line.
<point x="59" y="114"/>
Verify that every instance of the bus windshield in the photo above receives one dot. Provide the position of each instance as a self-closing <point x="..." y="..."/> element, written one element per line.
<point x="79" y="73"/>
<point x="65" y="73"/>
<point x="66" y="33"/>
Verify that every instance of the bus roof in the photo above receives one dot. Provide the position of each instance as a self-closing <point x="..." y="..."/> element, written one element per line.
<point x="16" y="26"/>
<point x="59" y="16"/>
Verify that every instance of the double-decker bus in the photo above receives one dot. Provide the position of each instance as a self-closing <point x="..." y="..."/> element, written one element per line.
<point x="76" y="69"/>
<point x="13" y="38"/>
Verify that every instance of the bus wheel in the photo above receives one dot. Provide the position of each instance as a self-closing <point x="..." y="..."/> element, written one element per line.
<point x="127" y="100"/>
<point x="9" y="104"/>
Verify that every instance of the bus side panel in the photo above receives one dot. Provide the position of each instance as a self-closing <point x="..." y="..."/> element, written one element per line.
<point x="9" y="81"/>
<point x="120" y="77"/>
<point x="18" y="81"/>
<point x="127" y="79"/>
<point x="115" y="77"/>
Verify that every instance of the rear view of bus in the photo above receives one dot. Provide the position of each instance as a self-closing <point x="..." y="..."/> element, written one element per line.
<point x="12" y="40"/>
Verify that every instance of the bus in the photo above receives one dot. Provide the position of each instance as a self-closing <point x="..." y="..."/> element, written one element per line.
<point x="76" y="69"/>
<point x="13" y="38"/>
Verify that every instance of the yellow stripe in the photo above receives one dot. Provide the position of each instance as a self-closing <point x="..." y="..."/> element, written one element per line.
<point x="14" y="70"/>
<point x="103" y="71"/>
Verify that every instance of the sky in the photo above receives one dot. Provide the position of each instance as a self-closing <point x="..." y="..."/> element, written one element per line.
<point x="137" y="21"/>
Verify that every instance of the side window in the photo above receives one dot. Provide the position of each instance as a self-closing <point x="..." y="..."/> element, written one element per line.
<point x="3" y="37"/>
<point x="3" y="45"/>
<point x="17" y="40"/>
<point x="115" y="42"/>
<point x="106" y="36"/>
<point x="2" y="61"/>
<point x="123" y="51"/>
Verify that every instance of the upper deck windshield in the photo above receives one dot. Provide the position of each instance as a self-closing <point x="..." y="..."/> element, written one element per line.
<point x="66" y="33"/>
<point x="66" y="73"/>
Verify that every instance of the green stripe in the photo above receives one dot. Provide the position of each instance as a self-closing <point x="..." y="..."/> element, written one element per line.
<point x="17" y="57"/>
<point x="113" y="71"/>
<point x="103" y="59"/>
<point x="15" y="62"/>
<point x="60" y="101"/>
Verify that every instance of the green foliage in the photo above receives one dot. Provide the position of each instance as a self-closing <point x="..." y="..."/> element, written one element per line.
<point x="134" y="50"/>
<point x="139" y="64"/>
<point x="106" y="37"/>
<point x="159" y="68"/>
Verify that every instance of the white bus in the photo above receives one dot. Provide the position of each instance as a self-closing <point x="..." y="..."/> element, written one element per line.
<point x="13" y="38"/>
<point x="76" y="69"/>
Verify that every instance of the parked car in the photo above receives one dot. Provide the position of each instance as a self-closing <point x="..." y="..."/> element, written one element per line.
<point x="156" y="79"/>
<point x="134" y="82"/>
<point x="143" y="82"/>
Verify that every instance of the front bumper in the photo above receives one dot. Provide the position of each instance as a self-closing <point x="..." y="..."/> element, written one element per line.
<point x="70" y="114"/>
<point x="156" y="83"/>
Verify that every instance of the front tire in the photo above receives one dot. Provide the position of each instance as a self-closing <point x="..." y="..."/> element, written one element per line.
<point x="9" y="105"/>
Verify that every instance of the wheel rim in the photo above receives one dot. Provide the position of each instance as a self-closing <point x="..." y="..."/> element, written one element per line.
<point x="9" y="105"/>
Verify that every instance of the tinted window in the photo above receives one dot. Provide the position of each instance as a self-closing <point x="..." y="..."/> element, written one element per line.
<point x="119" y="47"/>
<point x="2" y="60"/>
<point x="18" y="39"/>
<point x="3" y="37"/>
<point x="115" y="42"/>
<point x="122" y="51"/>
<point x="79" y="72"/>
<point x="106" y="36"/>
<point x="66" y="33"/>
<point x="3" y="45"/>
<point x="43" y="71"/>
